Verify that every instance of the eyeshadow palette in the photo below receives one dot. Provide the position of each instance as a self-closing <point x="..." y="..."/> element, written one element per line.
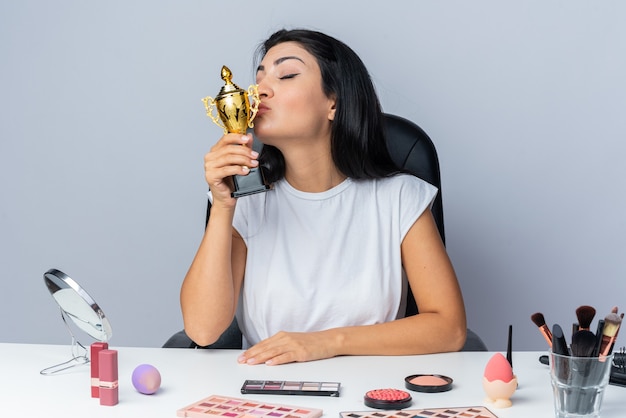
<point x="285" y="387"/>
<point x="223" y="406"/>
<point x="462" y="412"/>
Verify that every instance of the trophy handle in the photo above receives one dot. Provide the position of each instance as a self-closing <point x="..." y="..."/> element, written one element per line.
<point x="209" y="105"/>
<point x="253" y="92"/>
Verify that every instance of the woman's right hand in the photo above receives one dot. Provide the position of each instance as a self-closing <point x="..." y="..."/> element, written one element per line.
<point x="228" y="158"/>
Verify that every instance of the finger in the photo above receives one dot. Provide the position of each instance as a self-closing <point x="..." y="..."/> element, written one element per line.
<point x="223" y="157"/>
<point x="283" y="358"/>
<point x="234" y="143"/>
<point x="247" y="138"/>
<point x="218" y="164"/>
<point x="246" y="149"/>
<point x="262" y="351"/>
<point x="271" y="357"/>
<point x="229" y="167"/>
<point x="253" y="355"/>
<point x="233" y="139"/>
<point x="231" y="155"/>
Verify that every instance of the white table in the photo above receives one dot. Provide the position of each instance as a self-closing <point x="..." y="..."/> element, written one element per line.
<point x="190" y="375"/>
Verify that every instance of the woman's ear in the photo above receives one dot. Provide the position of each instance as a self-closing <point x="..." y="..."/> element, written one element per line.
<point x="331" y="110"/>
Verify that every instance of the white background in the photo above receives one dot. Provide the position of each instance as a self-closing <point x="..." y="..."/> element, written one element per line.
<point x="102" y="135"/>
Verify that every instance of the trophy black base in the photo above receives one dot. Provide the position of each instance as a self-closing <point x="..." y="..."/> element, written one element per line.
<point x="253" y="183"/>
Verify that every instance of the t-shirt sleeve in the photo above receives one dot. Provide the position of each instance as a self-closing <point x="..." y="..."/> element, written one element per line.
<point x="415" y="196"/>
<point x="240" y="219"/>
<point x="249" y="214"/>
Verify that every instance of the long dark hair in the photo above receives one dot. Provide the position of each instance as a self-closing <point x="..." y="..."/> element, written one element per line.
<point x="358" y="143"/>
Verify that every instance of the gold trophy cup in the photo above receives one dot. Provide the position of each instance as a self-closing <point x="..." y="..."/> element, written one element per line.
<point x="235" y="114"/>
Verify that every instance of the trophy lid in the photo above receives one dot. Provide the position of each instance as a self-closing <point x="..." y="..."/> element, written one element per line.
<point x="229" y="87"/>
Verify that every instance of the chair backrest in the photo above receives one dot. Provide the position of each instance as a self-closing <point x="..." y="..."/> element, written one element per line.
<point x="412" y="150"/>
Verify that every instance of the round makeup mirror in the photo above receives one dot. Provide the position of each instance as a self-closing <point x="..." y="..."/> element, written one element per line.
<point x="76" y="304"/>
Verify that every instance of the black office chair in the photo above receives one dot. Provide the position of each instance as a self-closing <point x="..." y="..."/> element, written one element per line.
<point x="412" y="150"/>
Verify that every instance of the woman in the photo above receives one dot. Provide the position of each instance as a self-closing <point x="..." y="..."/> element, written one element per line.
<point x="314" y="267"/>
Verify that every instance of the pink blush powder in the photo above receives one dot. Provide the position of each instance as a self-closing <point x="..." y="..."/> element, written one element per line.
<point x="426" y="380"/>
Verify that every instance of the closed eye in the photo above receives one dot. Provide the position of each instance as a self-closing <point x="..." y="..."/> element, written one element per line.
<point x="288" y="76"/>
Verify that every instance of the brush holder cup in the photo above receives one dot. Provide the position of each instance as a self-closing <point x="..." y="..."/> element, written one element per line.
<point x="579" y="384"/>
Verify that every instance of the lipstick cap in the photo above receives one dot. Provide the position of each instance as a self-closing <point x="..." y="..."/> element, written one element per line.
<point x="95" y="369"/>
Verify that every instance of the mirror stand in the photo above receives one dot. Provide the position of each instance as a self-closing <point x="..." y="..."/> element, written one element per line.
<point x="79" y="354"/>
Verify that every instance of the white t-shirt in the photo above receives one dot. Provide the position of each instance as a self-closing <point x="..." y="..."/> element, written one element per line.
<point x="324" y="260"/>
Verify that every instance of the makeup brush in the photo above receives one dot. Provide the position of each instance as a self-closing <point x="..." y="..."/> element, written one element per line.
<point x="583" y="343"/>
<point x="599" y="329"/>
<point x="559" y="345"/>
<point x="540" y="321"/>
<point x="612" y="323"/>
<point x="585" y="315"/>
<point x="621" y="317"/>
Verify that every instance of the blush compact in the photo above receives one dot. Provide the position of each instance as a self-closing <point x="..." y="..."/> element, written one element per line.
<point x="429" y="383"/>
<point x="387" y="399"/>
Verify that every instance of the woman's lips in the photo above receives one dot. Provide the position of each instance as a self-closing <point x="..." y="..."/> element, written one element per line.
<point x="262" y="109"/>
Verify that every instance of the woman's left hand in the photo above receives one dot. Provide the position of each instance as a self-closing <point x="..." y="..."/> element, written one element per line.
<point x="289" y="347"/>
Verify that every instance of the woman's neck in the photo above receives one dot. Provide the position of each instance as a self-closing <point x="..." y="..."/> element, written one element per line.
<point x="312" y="173"/>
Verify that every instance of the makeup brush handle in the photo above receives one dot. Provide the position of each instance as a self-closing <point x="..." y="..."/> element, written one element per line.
<point x="596" y="351"/>
<point x="547" y="334"/>
<point x="606" y="345"/>
<point x="559" y="344"/>
<point x="509" y="346"/>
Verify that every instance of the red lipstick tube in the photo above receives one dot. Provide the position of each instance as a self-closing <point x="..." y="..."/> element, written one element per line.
<point x="108" y="377"/>
<point x="95" y="370"/>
